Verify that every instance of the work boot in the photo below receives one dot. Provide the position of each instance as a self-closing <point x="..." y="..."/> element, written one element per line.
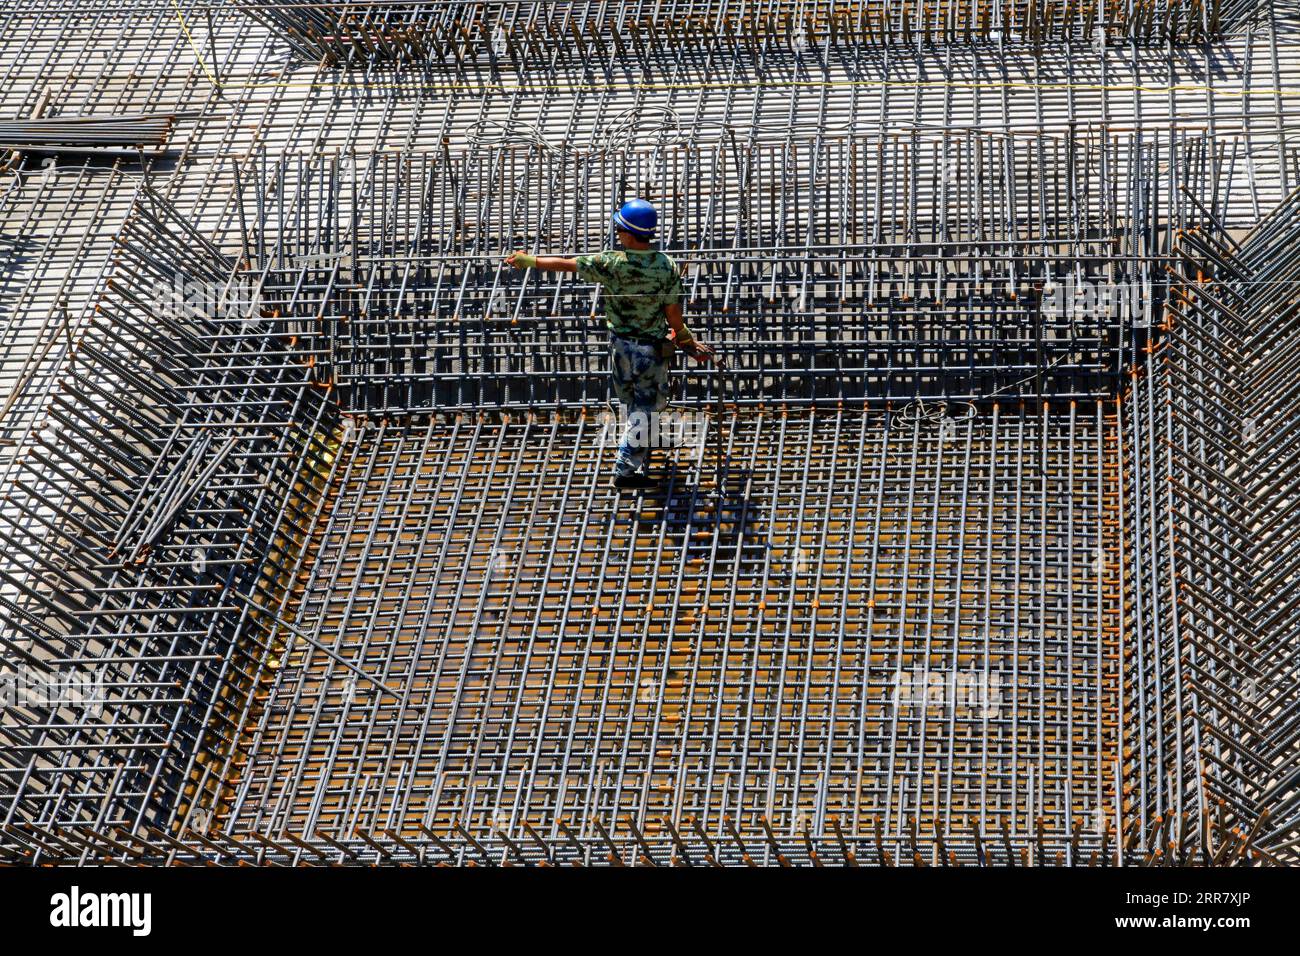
<point x="634" y="482"/>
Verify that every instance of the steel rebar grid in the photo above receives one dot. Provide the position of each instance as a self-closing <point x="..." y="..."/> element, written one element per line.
<point x="1221" y="87"/>
<point x="318" y="107"/>
<point x="481" y="572"/>
<point x="835" y="269"/>
<point x="1212" y="697"/>
<point x="528" y="37"/>
<point x="677" y="844"/>
<point x="168" y="480"/>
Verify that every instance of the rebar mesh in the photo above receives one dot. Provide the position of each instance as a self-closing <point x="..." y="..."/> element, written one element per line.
<point x="554" y="657"/>
<point x="314" y="490"/>
<point x="846" y="269"/>
<point x="164" y="489"/>
<point x="526" y="36"/>
<point x="1208" y="521"/>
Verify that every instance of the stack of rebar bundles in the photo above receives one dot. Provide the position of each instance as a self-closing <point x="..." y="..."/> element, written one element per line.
<point x="86" y="133"/>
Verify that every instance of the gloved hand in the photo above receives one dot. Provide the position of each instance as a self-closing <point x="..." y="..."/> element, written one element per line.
<point x="701" y="352"/>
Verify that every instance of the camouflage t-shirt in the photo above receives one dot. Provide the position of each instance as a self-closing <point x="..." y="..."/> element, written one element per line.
<point x="639" y="285"/>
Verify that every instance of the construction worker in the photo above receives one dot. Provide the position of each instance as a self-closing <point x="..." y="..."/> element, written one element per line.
<point x="643" y="304"/>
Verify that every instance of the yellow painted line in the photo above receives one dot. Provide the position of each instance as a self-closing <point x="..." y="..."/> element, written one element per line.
<point x="190" y="40"/>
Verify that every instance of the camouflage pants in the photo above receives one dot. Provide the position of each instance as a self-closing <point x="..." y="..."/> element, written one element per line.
<point x="640" y="378"/>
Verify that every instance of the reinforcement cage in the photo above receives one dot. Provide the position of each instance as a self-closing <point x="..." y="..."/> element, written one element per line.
<point x="309" y="557"/>
<point x="850" y="269"/>
<point x="528" y="37"/>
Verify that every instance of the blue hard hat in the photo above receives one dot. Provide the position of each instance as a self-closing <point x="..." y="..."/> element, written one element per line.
<point x="638" y="217"/>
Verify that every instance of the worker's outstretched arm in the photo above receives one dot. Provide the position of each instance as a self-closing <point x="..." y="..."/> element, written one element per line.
<point x="522" y="260"/>
<point x="683" y="338"/>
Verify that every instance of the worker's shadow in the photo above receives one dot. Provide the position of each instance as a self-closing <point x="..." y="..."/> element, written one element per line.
<point x="718" y="526"/>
